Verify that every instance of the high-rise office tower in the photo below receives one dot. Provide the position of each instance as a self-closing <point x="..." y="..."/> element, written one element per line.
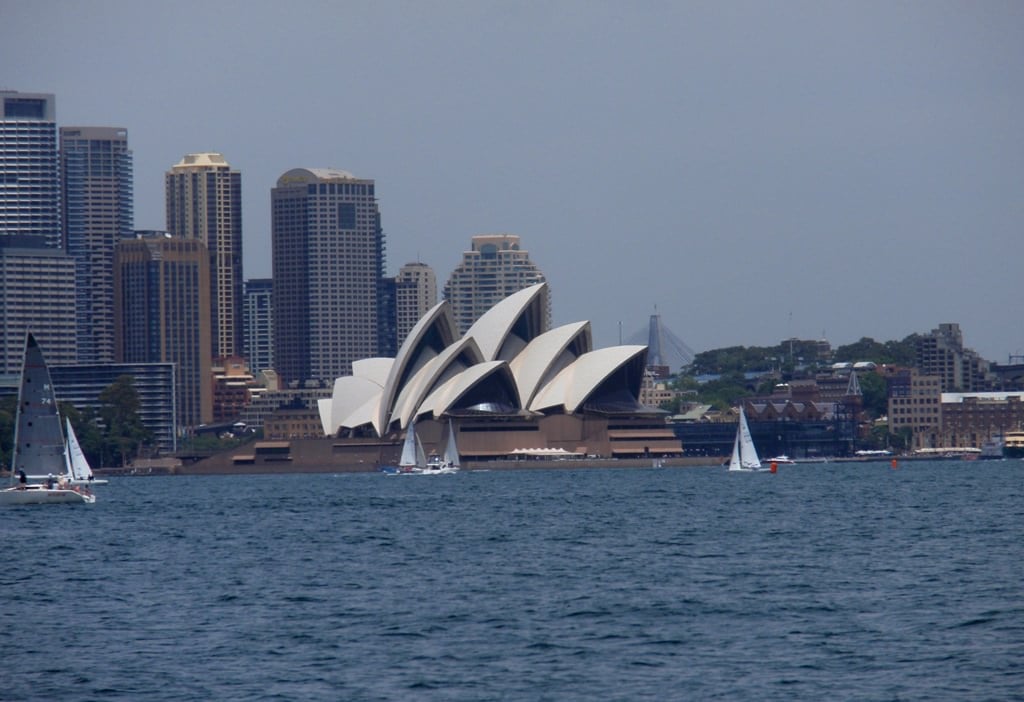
<point x="258" y="324"/>
<point x="96" y="174"/>
<point x="204" y="201"/>
<point x="494" y="268"/>
<point x="37" y="294"/>
<point x="415" y="294"/>
<point x="162" y="314"/>
<point x="328" y="250"/>
<point x="29" y="170"/>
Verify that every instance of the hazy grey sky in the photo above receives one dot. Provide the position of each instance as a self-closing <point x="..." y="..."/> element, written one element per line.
<point x="752" y="170"/>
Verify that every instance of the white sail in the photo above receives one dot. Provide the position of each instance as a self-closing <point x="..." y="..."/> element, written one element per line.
<point x="408" y="459"/>
<point x="78" y="464"/>
<point x="421" y="455"/>
<point x="451" y="450"/>
<point x="734" y="462"/>
<point x="744" y="455"/>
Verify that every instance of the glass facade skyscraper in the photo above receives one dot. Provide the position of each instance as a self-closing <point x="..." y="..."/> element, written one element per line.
<point x="259" y="324"/>
<point x="96" y="173"/>
<point x="37" y="294"/>
<point x="29" y="170"/>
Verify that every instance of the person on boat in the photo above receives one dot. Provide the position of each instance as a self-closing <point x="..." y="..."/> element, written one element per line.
<point x="49" y="481"/>
<point x="22" y="478"/>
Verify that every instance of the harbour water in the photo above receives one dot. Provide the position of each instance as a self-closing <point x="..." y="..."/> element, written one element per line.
<point x="834" y="581"/>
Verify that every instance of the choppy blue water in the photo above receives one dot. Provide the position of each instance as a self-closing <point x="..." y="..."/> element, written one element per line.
<point x="837" y="581"/>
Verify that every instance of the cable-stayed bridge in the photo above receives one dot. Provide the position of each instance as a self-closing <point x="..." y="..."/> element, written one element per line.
<point x="664" y="348"/>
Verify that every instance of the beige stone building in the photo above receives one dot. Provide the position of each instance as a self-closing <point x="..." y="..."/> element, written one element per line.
<point x="495" y="267"/>
<point x="204" y="202"/>
<point x="914" y="404"/>
<point x="415" y="294"/>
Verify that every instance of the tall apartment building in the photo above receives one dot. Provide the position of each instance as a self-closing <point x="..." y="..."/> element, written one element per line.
<point x="204" y="202"/>
<point x="258" y="324"/>
<point x="162" y="314"/>
<point x="37" y="294"/>
<point x="415" y="294"/>
<point x="328" y="266"/>
<point x="29" y="168"/>
<point x="96" y="175"/>
<point x="495" y="267"/>
<point x="941" y="353"/>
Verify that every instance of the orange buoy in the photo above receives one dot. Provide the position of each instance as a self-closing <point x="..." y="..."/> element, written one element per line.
<point x="774" y="468"/>
<point x="894" y="464"/>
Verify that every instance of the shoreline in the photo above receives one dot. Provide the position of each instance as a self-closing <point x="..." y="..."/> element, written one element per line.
<point x="359" y="462"/>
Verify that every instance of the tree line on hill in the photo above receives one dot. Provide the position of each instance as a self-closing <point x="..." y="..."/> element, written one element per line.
<point x="722" y="377"/>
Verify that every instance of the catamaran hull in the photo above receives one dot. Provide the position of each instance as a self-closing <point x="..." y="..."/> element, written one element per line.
<point x="73" y="481"/>
<point x="44" y="496"/>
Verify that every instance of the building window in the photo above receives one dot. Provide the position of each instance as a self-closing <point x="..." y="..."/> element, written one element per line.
<point x="346" y="215"/>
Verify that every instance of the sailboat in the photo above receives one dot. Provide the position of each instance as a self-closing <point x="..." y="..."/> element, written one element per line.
<point x="452" y="461"/>
<point x="744" y="455"/>
<point x="39" y="443"/>
<point x="449" y="461"/>
<point x="79" y="470"/>
<point x="413" y="459"/>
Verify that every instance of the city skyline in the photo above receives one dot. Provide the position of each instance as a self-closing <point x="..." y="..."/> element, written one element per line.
<point x="750" y="173"/>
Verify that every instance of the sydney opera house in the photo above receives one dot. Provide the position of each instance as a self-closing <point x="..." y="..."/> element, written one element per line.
<point x="508" y="387"/>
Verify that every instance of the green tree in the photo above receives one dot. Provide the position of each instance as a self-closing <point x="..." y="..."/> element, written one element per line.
<point x="119" y="411"/>
<point x="900" y="353"/>
<point x="876" y="394"/>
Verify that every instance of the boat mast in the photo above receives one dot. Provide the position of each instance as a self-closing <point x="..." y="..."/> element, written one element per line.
<point x="17" y="410"/>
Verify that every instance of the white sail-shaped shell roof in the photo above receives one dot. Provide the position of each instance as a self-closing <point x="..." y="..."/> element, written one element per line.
<point x="441" y="400"/>
<point x="362" y="415"/>
<point x="574" y="384"/>
<point x="496" y="330"/>
<point x="548" y="354"/>
<point x="505" y="362"/>
<point x="432" y="334"/>
<point x="350" y="399"/>
<point x="323" y="406"/>
<point x="375" y="369"/>
<point x="455" y="359"/>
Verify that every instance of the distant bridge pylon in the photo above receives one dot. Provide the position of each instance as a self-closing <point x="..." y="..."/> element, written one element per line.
<point x="664" y="348"/>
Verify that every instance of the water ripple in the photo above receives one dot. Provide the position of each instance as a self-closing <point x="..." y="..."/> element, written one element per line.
<point x="837" y="582"/>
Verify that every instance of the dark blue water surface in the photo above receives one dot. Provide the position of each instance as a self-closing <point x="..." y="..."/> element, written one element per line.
<point x="823" y="582"/>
